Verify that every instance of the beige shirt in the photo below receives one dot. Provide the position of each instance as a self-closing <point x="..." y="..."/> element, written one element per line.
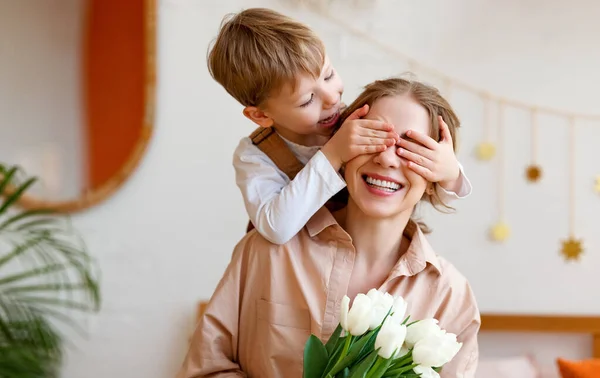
<point x="272" y="297"/>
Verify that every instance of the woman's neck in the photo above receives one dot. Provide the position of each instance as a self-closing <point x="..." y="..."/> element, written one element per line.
<point x="376" y="240"/>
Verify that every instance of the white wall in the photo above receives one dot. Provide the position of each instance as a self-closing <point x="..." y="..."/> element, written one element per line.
<point x="41" y="121"/>
<point x="164" y="240"/>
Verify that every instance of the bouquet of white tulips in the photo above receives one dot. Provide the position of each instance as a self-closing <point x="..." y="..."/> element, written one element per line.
<point x="374" y="339"/>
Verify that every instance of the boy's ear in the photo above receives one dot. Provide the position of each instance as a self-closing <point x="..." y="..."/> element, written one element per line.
<point x="258" y="116"/>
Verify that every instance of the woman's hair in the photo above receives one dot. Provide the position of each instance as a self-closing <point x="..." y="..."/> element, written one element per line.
<point x="428" y="97"/>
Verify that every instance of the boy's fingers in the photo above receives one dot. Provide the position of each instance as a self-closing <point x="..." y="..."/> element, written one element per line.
<point x="415" y="148"/>
<point x="372" y="148"/>
<point x="421" y="171"/>
<point x="444" y="130"/>
<point x="364" y="140"/>
<point x="359" y="113"/>
<point x="376" y="125"/>
<point x="425" y="140"/>
<point x="418" y="159"/>
<point x="378" y="134"/>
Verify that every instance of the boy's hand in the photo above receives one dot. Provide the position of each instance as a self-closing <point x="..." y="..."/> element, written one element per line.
<point x="358" y="136"/>
<point x="434" y="161"/>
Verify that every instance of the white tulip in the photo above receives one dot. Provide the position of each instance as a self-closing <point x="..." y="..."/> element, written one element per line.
<point x="357" y="319"/>
<point x="403" y="351"/>
<point x="382" y="303"/>
<point x="436" y="350"/>
<point x="390" y="338"/>
<point x="421" y="330"/>
<point x="426" y="372"/>
<point x="399" y="308"/>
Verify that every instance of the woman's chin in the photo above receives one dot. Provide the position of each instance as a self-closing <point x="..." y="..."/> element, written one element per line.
<point x="372" y="209"/>
<point x="384" y="209"/>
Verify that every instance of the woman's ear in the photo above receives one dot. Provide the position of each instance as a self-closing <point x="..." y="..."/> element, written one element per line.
<point x="430" y="189"/>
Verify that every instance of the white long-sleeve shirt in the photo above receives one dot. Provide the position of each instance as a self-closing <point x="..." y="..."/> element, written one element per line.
<point x="279" y="207"/>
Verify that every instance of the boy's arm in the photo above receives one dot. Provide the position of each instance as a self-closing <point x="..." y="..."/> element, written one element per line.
<point x="278" y="207"/>
<point x="213" y="348"/>
<point x="459" y="189"/>
<point x="436" y="162"/>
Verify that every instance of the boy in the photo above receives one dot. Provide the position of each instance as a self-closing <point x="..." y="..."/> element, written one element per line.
<point x="288" y="168"/>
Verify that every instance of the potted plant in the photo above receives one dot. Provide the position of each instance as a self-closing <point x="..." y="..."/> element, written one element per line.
<point x="46" y="277"/>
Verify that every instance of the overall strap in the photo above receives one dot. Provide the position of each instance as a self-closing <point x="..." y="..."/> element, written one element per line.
<point x="272" y="145"/>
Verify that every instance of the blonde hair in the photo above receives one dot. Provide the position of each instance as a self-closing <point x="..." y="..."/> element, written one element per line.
<point x="258" y="50"/>
<point x="429" y="98"/>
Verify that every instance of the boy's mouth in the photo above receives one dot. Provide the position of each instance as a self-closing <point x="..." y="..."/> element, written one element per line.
<point x="329" y="121"/>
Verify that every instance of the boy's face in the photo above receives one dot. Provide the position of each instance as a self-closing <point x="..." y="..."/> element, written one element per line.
<point x="307" y="113"/>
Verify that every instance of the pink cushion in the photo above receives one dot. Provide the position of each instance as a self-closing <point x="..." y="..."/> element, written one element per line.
<point x="510" y="367"/>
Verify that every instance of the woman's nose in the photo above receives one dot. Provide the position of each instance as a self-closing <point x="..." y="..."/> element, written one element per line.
<point x="388" y="158"/>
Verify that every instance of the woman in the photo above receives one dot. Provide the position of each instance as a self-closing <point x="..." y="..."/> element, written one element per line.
<point x="271" y="298"/>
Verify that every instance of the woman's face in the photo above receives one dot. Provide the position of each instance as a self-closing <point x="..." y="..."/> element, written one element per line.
<point x="381" y="184"/>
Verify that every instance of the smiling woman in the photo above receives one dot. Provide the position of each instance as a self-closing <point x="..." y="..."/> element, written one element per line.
<point x="256" y="328"/>
<point x="77" y="95"/>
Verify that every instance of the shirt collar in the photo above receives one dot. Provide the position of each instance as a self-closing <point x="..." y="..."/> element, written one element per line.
<point x="303" y="153"/>
<point x="414" y="260"/>
<point x="418" y="255"/>
<point x="320" y="221"/>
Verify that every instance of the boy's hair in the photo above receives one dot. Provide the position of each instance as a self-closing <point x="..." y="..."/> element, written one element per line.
<point x="258" y="50"/>
<point x="427" y="96"/>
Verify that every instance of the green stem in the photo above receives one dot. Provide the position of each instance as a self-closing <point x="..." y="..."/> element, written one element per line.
<point x="375" y="366"/>
<point x="401" y="370"/>
<point x="341" y="357"/>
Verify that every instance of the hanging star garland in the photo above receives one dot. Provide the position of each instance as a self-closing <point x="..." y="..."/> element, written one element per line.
<point x="571" y="249"/>
<point x="533" y="172"/>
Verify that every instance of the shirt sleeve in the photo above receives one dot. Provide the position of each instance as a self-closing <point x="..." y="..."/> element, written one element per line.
<point x="464" y="320"/>
<point x="464" y="188"/>
<point x="213" y="349"/>
<point x="278" y="207"/>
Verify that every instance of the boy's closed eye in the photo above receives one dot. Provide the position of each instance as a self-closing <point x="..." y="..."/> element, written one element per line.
<point x="312" y="96"/>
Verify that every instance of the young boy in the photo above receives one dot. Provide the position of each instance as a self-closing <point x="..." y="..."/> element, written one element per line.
<point x="288" y="168"/>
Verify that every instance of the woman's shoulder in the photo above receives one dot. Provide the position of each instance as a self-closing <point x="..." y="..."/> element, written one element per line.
<point x="451" y="277"/>
<point x="253" y="244"/>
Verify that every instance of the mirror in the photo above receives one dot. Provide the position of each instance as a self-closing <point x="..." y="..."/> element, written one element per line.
<point x="77" y="95"/>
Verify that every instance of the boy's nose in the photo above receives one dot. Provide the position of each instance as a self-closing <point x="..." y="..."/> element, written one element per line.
<point x="330" y="99"/>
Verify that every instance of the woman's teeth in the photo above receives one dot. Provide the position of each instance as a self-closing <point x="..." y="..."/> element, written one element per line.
<point x="387" y="186"/>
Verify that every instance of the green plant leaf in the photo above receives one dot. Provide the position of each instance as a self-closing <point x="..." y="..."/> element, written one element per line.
<point x="14" y="197"/>
<point x="333" y="340"/>
<point x="400" y="371"/>
<point x="18" y="220"/>
<point x="364" y="366"/>
<point x="315" y="358"/>
<point x="335" y="356"/>
<point x="8" y="178"/>
<point x="381" y="366"/>
<point x="54" y="275"/>
<point x="356" y="351"/>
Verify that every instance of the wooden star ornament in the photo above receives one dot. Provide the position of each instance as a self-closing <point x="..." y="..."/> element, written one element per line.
<point x="485" y="151"/>
<point x="571" y="249"/>
<point x="500" y="232"/>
